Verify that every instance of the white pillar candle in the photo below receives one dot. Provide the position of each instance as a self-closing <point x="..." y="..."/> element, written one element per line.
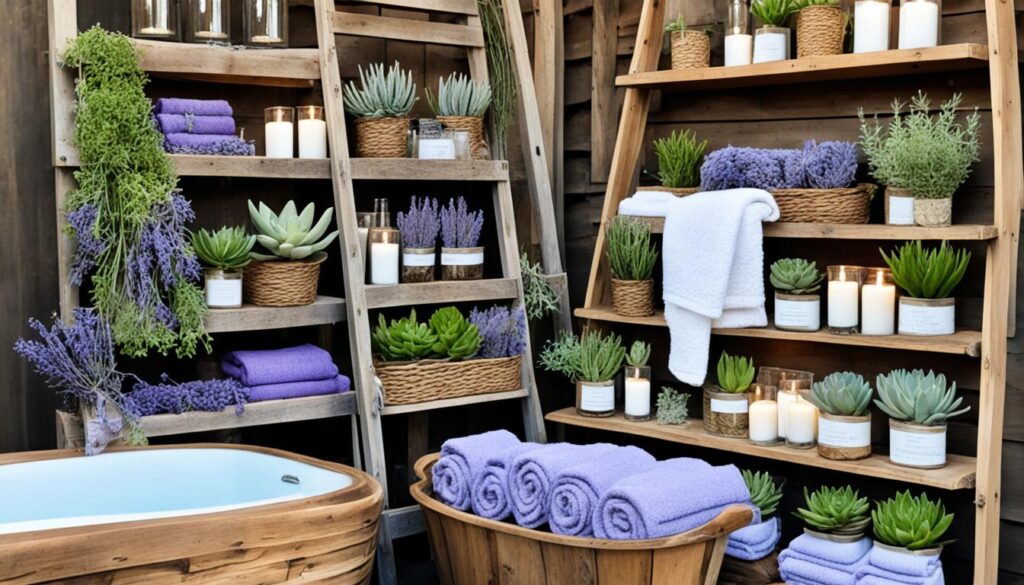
<point x="383" y="263"/>
<point x="764" y="421"/>
<point x="878" y="307"/>
<point x="785" y="398"/>
<point x="870" y="26"/>
<point x="801" y="422"/>
<point x="638" y="397"/>
<point x="919" y="24"/>
<point x="279" y="139"/>
<point x="843" y="301"/>
<point x="739" y="49"/>
<point x="312" y="138"/>
<point x="363" y="233"/>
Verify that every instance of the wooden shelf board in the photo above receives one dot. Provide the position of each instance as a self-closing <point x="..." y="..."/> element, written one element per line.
<point x="396" y="169"/>
<point x="198" y="165"/>
<point x="256" y="413"/>
<point x="450" y="291"/>
<point x="270" y="67"/>
<point x="958" y="473"/>
<point x="412" y="169"/>
<point x="451" y="402"/>
<point x="960" y="343"/>
<point x="838" y="231"/>
<point x="323" y="311"/>
<point x="815" y="69"/>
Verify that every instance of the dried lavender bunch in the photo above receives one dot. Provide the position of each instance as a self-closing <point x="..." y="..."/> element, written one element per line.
<point x="502" y="331"/>
<point x="420" y="225"/>
<point x="90" y="243"/>
<point x="199" y="395"/>
<point x="829" y="165"/>
<point x="459" y="227"/>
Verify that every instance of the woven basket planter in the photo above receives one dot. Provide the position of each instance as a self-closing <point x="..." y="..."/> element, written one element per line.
<point x="277" y="283"/>
<point x="691" y="49"/>
<point x="850" y="205"/>
<point x="677" y="191"/>
<point x="382" y="137"/>
<point x="474" y="125"/>
<point x="424" y="380"/>
<point x="633" y="298"/>
<point x="820" y="31"/>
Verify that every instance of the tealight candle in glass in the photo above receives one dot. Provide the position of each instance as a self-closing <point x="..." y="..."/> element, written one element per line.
<point x="208" y="20"/>
<point x="155" y="19"/>
<point x="844" y="298"/>
<point x="801" y="424"/>
<point x="312" y="132"/>
<point x="871" y="25"/>
<point x="878" y="303"/>
<point x="279" y="132"/>
<point x="790" y="384"/>
<point x="385" y="244"/>
<point x="739" y="43"/>
<point x="763" y="413"/>
<point x="265" y="23"/>
<point x="638" y="393"/>
<point x="919" y="23"/>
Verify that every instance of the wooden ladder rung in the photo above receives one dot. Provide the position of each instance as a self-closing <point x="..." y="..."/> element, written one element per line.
<point x="467" y="7"/>
<point x="403" y="29"/>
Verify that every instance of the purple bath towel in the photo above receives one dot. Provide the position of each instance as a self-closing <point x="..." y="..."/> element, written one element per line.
<point x="532" y="476"/>
<point x="841" y="556"/>
<point x="189" y="124"/>
<point x="283" y="390"/>
<point x="799" y="571"/>
<point x="578" y="489"/>
<point x="462" y="460"/>
<point x="183" y="139"/>
<point x="888" y="566"/>
<point x="755" y="541"/>
<point x="302" y="363"/>
<point x="226" y="146"/>
<point x="194" y="107"/>
<point x="491" y="498"/>
<point x="886" y="578"/>
<point x="672" y="497"/>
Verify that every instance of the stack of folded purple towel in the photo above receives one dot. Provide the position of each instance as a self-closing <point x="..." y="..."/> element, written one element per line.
<point x="292" y="372"/>
<point x="199" y="127"/>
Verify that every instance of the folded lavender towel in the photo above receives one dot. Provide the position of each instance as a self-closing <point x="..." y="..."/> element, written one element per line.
<point x="842" y="556"/>
<point x="284" y="390"/>
<point x="888" y="566"/>
<point x="462" y="460"/>
<point x="301" y="363"/>
<point x="875" y="576"/>
<point x="490" y="498"/>
<point x="189" y="124"/>
<point x="194" y="107"/>
<point x="809" y="573"/>
<point x="194" y="140"/>
<point x="228" y="146"/>
<point x="755" y="541"/>
<point x="672" y="497"/>
<point x="533" y="474"/>
<point x="577" y="489"/>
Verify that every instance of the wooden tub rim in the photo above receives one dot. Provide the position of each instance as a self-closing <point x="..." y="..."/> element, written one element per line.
<point x="732" y="518"/>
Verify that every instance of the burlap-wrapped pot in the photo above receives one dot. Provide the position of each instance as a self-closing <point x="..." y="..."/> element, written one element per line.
<point x="382" y="137"/>
<point x="844" y="438"/>
<point x="820" y="31"/>
<point x="474" y="125"/>
<point x="282" y="283"/>
<point x="691" y="49"/>
<point x="725" y="413"/>
<point x="933" y="212"/>
<point x="633" y="298"/>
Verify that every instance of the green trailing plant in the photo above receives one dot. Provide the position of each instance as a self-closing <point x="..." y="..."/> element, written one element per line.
<point x="501" y="68"/>
<point x="796" y="276"/>
<point x="672" y="408"/>
<point x="540" y="298"/>
<point x="773" y="12"/>
<point x="460" y="96"/>
<point x="927" y="273"/>
<point x="638" y="354"/>
<point x="404" y="339"/>
<point x="801" y="4"/>
<point x="764" y="492"/>
<point x="679" y="159"/>
<point x="590" y="358"/>
<point x="917" y="397"/>
<point x="842" y="394"/>
<point x="227" y="248"/>
<point x="911" y="523"/>
<point x="389" y="94"/>
<point x="835" y="511"/>
<point x="631" y="254"/>
<point x="457" y="338"/>
<point x="735" y="373"/>
<point x="290" y="235"/>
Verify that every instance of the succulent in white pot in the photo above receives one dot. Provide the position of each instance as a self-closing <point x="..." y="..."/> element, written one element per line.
<point x="919" y="405"/>
<point x="797" y="304"/>
<point x="772" y="38"/>
<point x="844" y="421"/>
<point x="224" y="253"/>
<point x="591" y="360"/>
<point x="928" y="277"/>
<point x="910" y="527"/>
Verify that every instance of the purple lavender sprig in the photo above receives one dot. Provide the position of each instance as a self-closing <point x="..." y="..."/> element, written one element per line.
<point x="830" y="165"/>
<point x="459" y="227"/>
<point x="199" y="395"/>
<point x="421" y="224"/>
<point x="90" y="245"/>
<point x="502" y="331"/>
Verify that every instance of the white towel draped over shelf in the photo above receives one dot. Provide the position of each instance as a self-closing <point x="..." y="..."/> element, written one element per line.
<point x="647" y="203"/>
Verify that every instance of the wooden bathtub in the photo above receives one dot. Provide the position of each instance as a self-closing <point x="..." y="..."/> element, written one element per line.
<point x="128" y="517"/>
<point x="470" y="550"/>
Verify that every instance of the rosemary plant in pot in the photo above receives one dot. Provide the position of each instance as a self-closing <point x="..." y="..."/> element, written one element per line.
<point x="927" y="278"/>
<point x="725" y="403"/>
<point x="839" y="515"/>
<point x="909" y="525"/>
<point x="381" y="107"/>
<point x="771" y="39"/>
<point x="797" y="304"/>
<point x="460" y="105"/>
<point x="691" y="48"/>
<point x="820" y="28"/>
<point x="631" y="257"/>
<point x="918" y="405"/>
<point x="637" y="384"/>
<point x="224" y="252"/>
<point x="680" y="157"/>
<point x="844" y="421"/>
<point x="462" y="258"/>
<point x="592" y="361"/>
<point x="419" y="228"/>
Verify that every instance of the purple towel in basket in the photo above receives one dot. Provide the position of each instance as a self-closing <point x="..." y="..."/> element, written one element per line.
<point x="302" y="363"/>
<point x="282" y="390"/>
<point x="533" y="474"/>
<point x="491" y="498"/>
<point x="189" y="124"/>
<point x="194" y="107"/>
<point x="462" y="460"/>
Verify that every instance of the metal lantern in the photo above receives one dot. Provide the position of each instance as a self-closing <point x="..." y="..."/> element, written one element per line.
<point x="155" y="19"/>
<point x="209" y="20"/>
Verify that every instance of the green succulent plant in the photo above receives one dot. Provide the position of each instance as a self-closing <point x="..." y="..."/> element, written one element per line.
<point x="638" y="354"/>
<point x="539" y="297"/>
<point x="773" y="12"/>
<point x="290" y="235"/>
<point x="927" y="274"/>
<point x="679" y="159"/>
<point x="796" y="276"/>
<point x="590" y="358"/>
<point x="457" y="338"/>
<point x="735" y="373"/>
<point x="917" y="397"/>
<point x="835" y="510"/>
<point x="672" y="409"/>
<point x="631" y="254"/>
<point x="227" y="248"/>
<point x="764" y="492"/>
<point x="404" y="339"/>
<point x="382" y="94"/>
<point x="842" y="394"/>
<point x="911" y="523"/>
<point x="459" y="96"/>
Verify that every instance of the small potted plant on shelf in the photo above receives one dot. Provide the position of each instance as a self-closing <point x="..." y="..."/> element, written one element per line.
<point x="911" y="527"/>
<point x="288" y="276"/>
<point x="757" y="541"/>
<point x="725" y="404"/>
<point x="631" y="257"/>
<point x="838" y="515"/>
<point x="679" y="159"/>
<point x="460" y="105"/>
<point x="672" y="406"/>
<point x="928" y="278"/>
<point x="771" y="39"/>
<point x="637" y="385"/>
<point x="539" y="296"/>
<point x="844" y="421"/>
<point x="381" y="107"/>
<point x="419" y="228"/>
<point x="592" y="361"/>
<point x="820" y="28"/>
<point x="797" y="306"/>
<point x="224" y="252"/>
<point x="691" y="49"/>
<point x="462" y="258"/>
<point x="918" y="405"/>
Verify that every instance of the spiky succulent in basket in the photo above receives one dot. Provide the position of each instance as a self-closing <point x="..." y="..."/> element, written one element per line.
<point x="838" y="511"/>
<point x="842" y="394"/>
<point x="382" y="94"/>
<point x="672" y="408"/>
<point x="735" y="373"/>
<point x="917" y="397"/>
<point x="227" y="248"/>
<point x="460" y="96"/>
<point x="457" y="338"/>
<point x="796" y="276"/>
<point x="290" y="235"/>
<point x="404" y="339"/>
<point x="911" y="523"/>
<point x="927" y="274"/>
<point x="764" y="492"/>
<point x="680" y="157"/>
<point x="631" y="254"/>
<point x="638" y="354"/>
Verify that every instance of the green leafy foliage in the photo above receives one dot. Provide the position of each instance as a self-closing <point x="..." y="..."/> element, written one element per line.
<point x="917" y="397"/>
<point x="835" y="511"/>
<point x="842" y="394"/>
<point x="404" y="339"/>
<point x="735" y="373"/>
<point x="460" y="96"/>
<point x="677" y="25"/>
<point x="290" y="235"/>
<point x="540" y="298"/>
<point x="801" y="4"/>
<point x="502" y="72"/>
<point x="227" y="248"/>
<point x="773" y="12"/>
<point x="672" y="408"/>
<point x="912" y="523"/>
<point x="590" y="358"/>
<point x="796" y="276"/>
<point x="382" y="94"/>
<point x="631" y="254"/>
<point x="679" y="159"/>
<point x="457" y="338"/>
<point x="764" y="492"/>
<point x="638" y="354"/>
<point x="927" y="274"/>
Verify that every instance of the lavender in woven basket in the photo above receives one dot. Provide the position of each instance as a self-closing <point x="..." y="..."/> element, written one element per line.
<point x="828" y="165"/>
<point x="459" y="227"/>
<point x="502" y="331"/>
<point x="421" y="224"/>
<point x="199" y="395"/>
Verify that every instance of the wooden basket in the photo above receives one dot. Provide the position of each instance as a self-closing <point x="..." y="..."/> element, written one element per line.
<point x="633" y="298"/>
<point x="475" y="126"/>
<point x="677" y="191"/>
<point x="424" y="380"/>
<point x="691" y="49"/>
<point x="470" y="550"/>
<point x="382" y="137"/>
<point x="278" y="283"/>
<point x="850" y="205"/>
<point x="820" y="31"/>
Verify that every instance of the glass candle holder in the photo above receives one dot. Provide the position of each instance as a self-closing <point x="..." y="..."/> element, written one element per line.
<point x="209" y="20"/>
<point x="771" y="43"/>
<point x="871" y="25"/>
<point x="312" y="132"/>
<point x="790" y="384"/>
<point x="265" y="23"/>
<point x="364" y="221"/>
<point x="763" y="413"/>
<point x="739" y="44"/>
<point x="384" y="242"/>
<point x="155" y="19"/>
<point x="878" y="303"/>
<point x="844" y="298"/>
<point x="637" y="387"/>
<point x="801" y="423"/>
<point x="920" y="23"/>
<point x="440" y="147"/>
<point x="279" y="132"/>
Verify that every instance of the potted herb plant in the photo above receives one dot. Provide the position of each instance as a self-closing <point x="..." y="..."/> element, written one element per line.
<point x="419" y="228"/>
<point x="462" y="258"/>
<point x="631" y="256"/>
<point x="725" y="404"/>
<point x="771" y="39"/>
<point x="381" y="107"/>
<point x="757" y="541"/>
<point x="911" y="526"/>
<point x="680" y="157"/>
<point x="928" y="278"/>
<point x="591" y="361"/>
<point x="672" y="406"/>
<point x="288" y="276"/>
<point x="460" y="105"/>
<point x="539" y="297"/>
<point x="836" y="514"/>
<point x="691" y="49"/>
<point x="224" y="253"/>
<point x="797" y="306"/>
<point x="918" y="405"/>
<point x="637" y="384"/>
<point x="820" y="28"/>
<point x="844" y="421"/>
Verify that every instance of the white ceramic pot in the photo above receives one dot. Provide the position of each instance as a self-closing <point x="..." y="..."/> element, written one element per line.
<point x="771" y="43"/>
<point x="223" y="288"/>
<point x="927" y="316"/>
<point x="899" y="206"/>
<point x="912" y="445"/>
<point x="595" y="398"/>
<point x="797" y="312"/>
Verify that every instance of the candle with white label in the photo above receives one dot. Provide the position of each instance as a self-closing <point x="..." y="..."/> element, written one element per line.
<point x="638" y="393"/>
<point x="312" y="132"/>
<point x="279" y="132"/>
<point x="878" y="303"/>
<point x="801" y="424"/>
<point x="870" y="26"/>
<point x="844" y="298"/>
<point x="919" y="24"/>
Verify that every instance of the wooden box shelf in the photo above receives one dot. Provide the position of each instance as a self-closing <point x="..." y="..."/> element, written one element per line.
<point x="448" y="291"/>
<point x="324" y="311"/>
<point x="269" y="67"/>
<point x="451" y="402"/>
<point x="869" y="231"/>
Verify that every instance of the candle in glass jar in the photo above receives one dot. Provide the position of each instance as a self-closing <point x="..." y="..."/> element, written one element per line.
<point x="763" y="421"/>
<point x="383" y="263"/>
<point x="785" y="398"/>
<point x="878" y="304"/>
<point x="638" y="397"/>
<point x="312" y="132"/>
<point x="843" y="297"/>
<point x="919" y="24"/>
<point x="801" y="423"/>
<point x="278" y="132"/>
<point x="739" y="49"/>
<point x="870" y="26"/>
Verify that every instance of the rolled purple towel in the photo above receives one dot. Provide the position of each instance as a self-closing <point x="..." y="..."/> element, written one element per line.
<point x="532" y="476"/>
<point x="194" y="107"/>
<point x="841" y="556"/>
<point x="578" y="489"/>
<point x="491" y="498"/>
<point x="755" y="541"/>
<point x="282" y="390"/>
<point x="301" y="363"/>
<point x="194" y="140"/>
<point x="462" y="460"/>
<point x="189" y="124"/>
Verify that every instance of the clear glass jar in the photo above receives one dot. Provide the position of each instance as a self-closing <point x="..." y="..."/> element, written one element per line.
<point x="763" y="414"/>
<point x="384" y="243"/>
<point x="312" y="132"/>
<point x="637" y="390"/>
<point x="801" y="424"/>
<point x="920" y="23"/>
<point x="364" y="221"/>
<point x="155" y="19"/>
<point x="209" y="20"/>
<point x="265" y="23"/>
<point x="844" y="298"/>
<point x="739" y="44"/>
<point x="279" y="132"/>
<point x="878" y="303"/>
<point x="871" y="25"/>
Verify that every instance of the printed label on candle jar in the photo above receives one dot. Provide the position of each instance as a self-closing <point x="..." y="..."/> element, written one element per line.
<point x="921" y="320"/>
<point x="834" y="433"/>
<point x="223" y="293"/>
<point x="770" y="47"/>
<point x="798" y="314"/>
<point x="728" y="406"/>
<point x="597" y="398"/>
<point x="920" y="449"/>
<point x="449" y="259"/>
<point x="901" y="211"/>
<point x="436" y="148"/>
<point x="418" y="259"/>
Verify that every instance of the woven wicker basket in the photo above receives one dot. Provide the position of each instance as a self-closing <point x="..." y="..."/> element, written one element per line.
<point x="382" y="137"/>
<point x="633" y="298"/>
<point x="691" y="49"/>
<point x="277" y="283"/>
<point x="850" y="205"/>
<point x="677" y="191"/>
<point x="475" y="126"/>
<point x="424" y="380"/>
<point x="820" y="31"/>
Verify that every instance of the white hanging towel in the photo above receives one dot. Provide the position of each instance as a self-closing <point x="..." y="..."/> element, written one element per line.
<point x="713" y="263"/>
